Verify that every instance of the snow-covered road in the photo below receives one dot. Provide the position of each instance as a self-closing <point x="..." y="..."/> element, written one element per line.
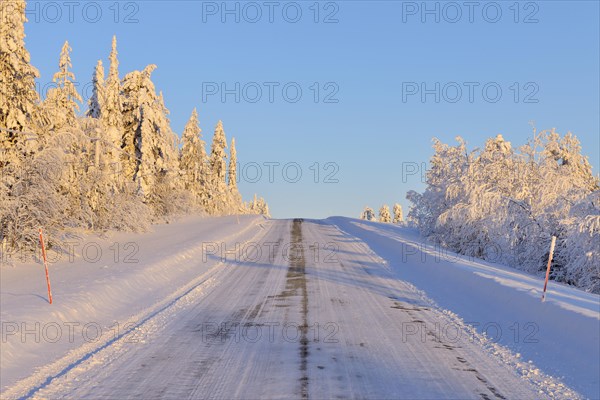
<point x="293" y="309"/>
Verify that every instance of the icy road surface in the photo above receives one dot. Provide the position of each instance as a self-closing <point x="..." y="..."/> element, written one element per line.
<point x="293" y="309"/>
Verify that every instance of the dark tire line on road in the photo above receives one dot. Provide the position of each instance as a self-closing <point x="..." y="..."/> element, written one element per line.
<point x="413" y="310"/>
<point x="296" y="279"/>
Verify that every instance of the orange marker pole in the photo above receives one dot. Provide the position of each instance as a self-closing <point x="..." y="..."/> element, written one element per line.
<point x="552" y="243"/>
<point x="46" y="266"/>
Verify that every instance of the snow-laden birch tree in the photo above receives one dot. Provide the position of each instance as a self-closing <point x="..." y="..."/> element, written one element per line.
<point x="504" y="205"/>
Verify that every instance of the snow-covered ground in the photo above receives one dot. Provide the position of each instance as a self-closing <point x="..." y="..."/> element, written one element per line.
<point x="560" y="336"/>
<point x="256" y="308"/>
<point x="134" y="277"/>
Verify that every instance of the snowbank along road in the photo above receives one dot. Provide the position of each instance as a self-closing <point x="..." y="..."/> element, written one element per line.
<point x="284" y="309"/>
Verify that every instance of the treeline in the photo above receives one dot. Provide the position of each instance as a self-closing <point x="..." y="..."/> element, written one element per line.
<point x="119" y="167"/>
<point x="503" y="205"/>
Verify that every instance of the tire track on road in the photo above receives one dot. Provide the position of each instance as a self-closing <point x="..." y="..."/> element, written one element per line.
<point x="297" y="275"/>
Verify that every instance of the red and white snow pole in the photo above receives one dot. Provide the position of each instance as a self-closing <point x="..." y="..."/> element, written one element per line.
<point x="552" y="243"/>
<point x="45" y="265"/>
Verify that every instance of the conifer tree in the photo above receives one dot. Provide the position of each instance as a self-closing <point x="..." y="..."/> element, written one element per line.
<point x="193" y="160"/>
<point x="235" y="199"/>
<point x="61" y="102"/>
<point x="139" y="98"/>
<point x="398" y="217"/>
<point x="368" y="214"/>
<point x="96" y="102"/>
<point x="384" y="214"/>
<point x="232" y="176"/>
<point x="111" y="113"/>
<point x="150" y="144"/>
<point x="18" y="97"/>
<point x="218" y="170"/>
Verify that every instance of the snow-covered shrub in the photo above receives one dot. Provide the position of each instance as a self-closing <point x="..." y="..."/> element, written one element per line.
<point x="580" y="247"/>
<point x="31" y="198"/>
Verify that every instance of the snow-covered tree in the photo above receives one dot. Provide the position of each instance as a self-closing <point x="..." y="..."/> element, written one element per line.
<point x="368" y="214"/>
<point x="398" y="217"/>
<point x="151" y="157"/>
<point x="235" y="199"/>
<point x="193" y="160"/>
<point x="232" y="173"/>
<point x="18" y="97"/>
<point x="258" y="206"/>
<point x="32" y="197"/>
<point x="96" y="101"/>
<point x="580" y="245"/>
<point x="62" y="101"/>
<point x="384" y="214"/>
<point x="218" y="157"/>
<point x="59" y="170"/>
<point x="149" y="142"/>
<point x="448" y="165"/>
<point x="504" y="205"/>
<point x="139" y="96"/>
<point x="111" y="113"/>
<point x="218" y="170"/>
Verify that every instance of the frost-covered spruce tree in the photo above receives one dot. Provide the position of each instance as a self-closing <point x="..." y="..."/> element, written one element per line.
<point x="61" y="106"/>
<point x="235" y="199"/>
<point x="252" y="205"/>
<point x="368" y="214"/>
<point x="398" y="217"/>
<point x="193" y="159"/>
<point x="153" y="162"/>
<point x="262" y="207"/>
<point x="109" y="139"/>
<point x="111" y="113"/>
<point x="218" y="169"/>
<point x="139" y="97"/>
<point x="28" y="199"/>
<point x="18" y="97"/>
<point x="96" y="102"/>
<point x="62" y="101"/>
<point x="114" y="204"/>
<point x="257" y="206"/>
<point x="384" y="214"/>
<point x="265" y="209"/>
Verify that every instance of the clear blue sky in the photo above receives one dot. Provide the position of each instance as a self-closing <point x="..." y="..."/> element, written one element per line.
<point x="370" y="56"/>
